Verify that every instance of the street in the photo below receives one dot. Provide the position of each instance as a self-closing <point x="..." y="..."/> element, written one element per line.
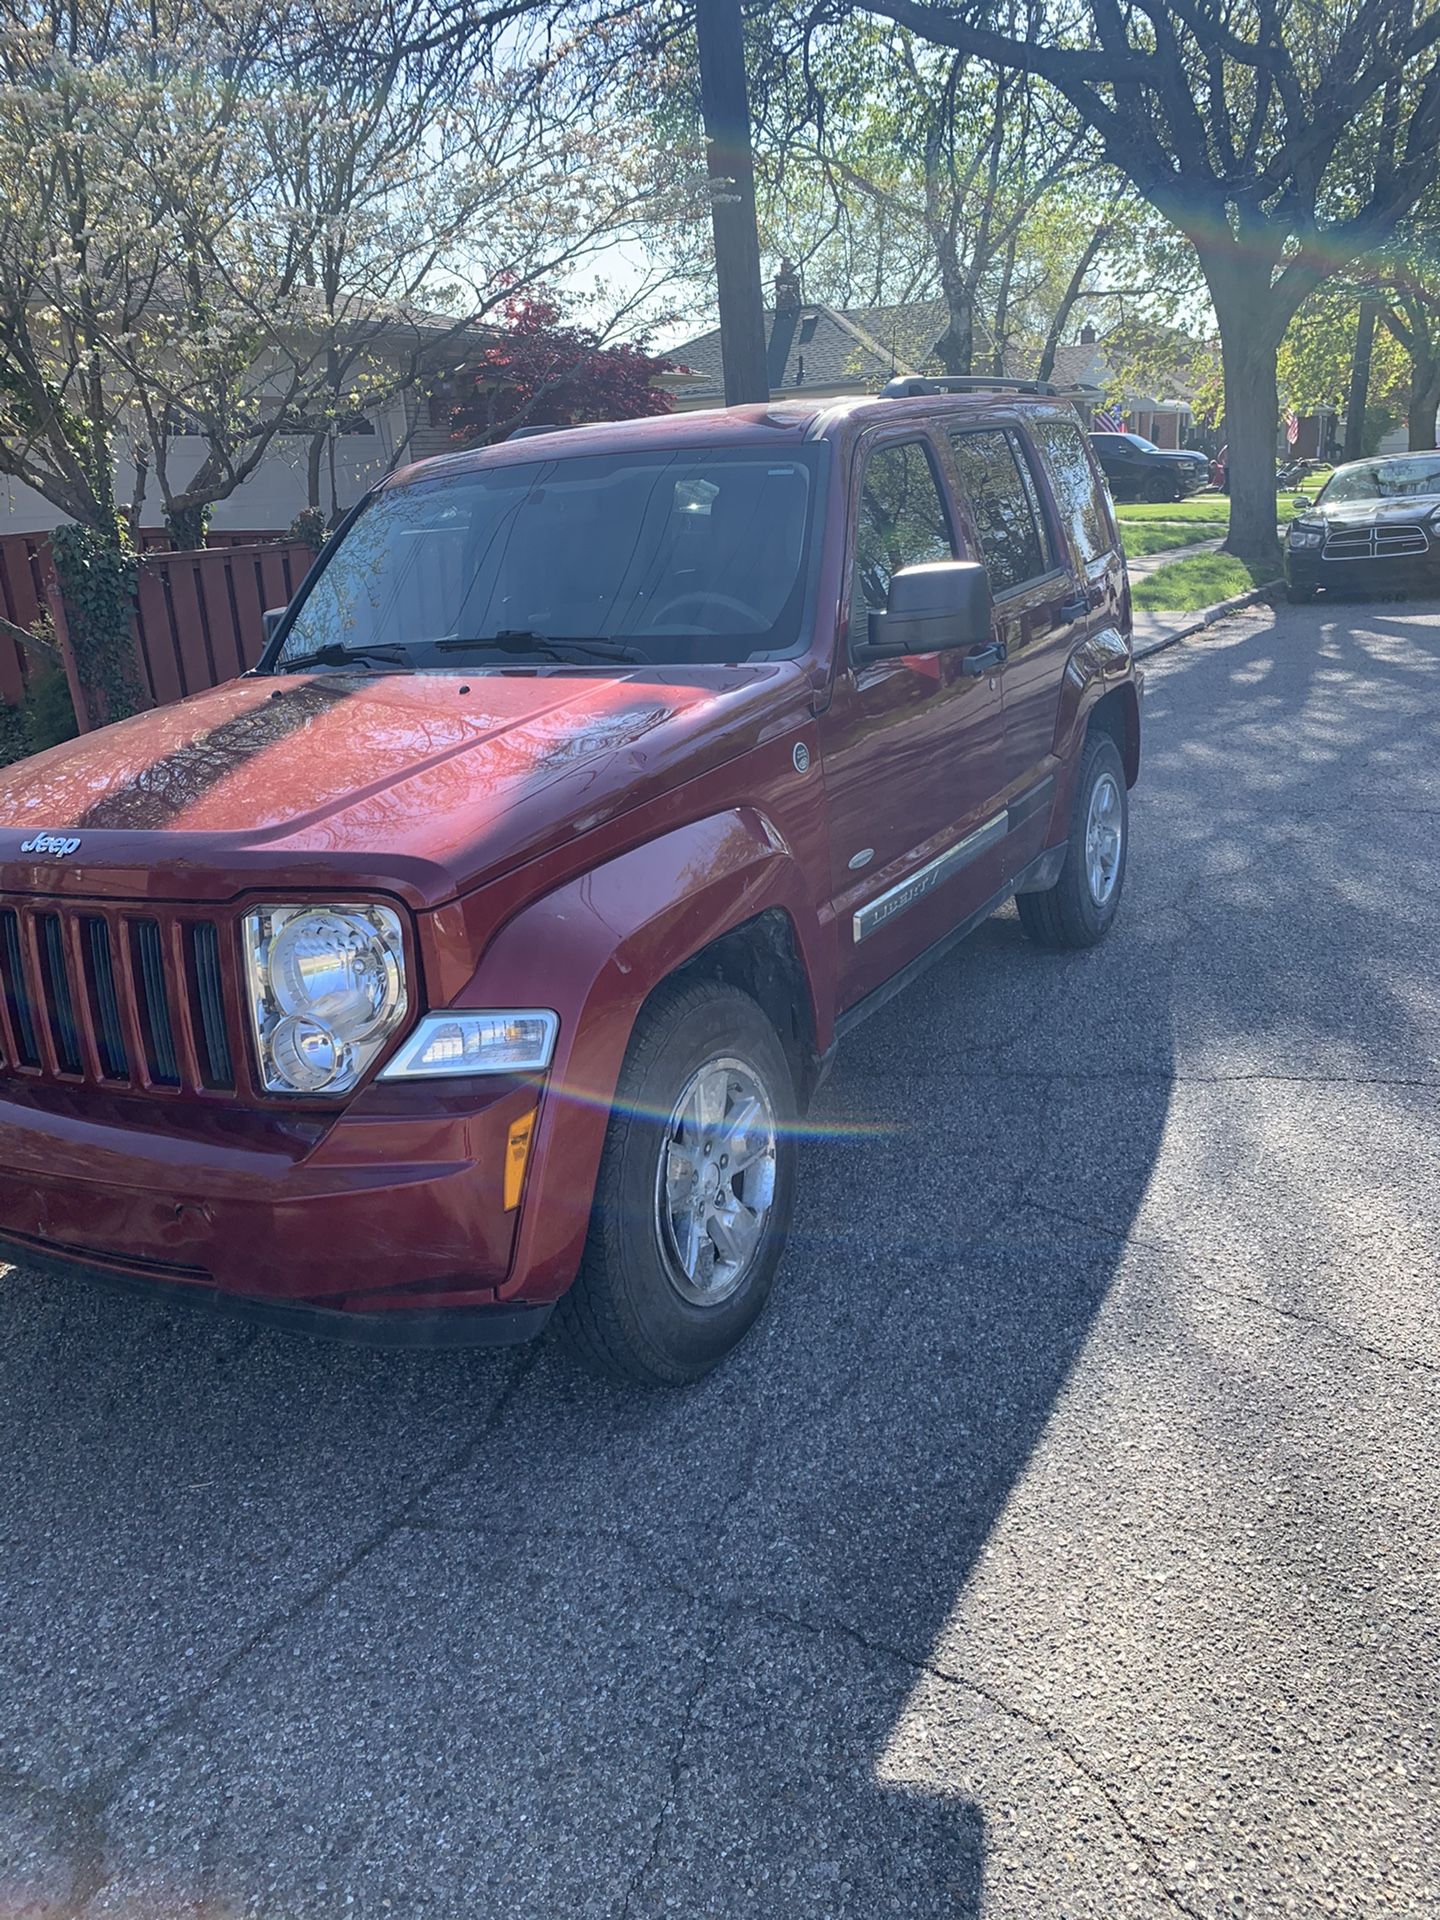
<point x="1064" y="1544"/>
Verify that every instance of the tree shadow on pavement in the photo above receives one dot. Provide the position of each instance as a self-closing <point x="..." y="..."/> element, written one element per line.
<point x="297" y="1631"/>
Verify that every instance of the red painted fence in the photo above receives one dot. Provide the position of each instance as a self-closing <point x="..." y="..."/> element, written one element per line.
<point x="197" y="616"/>
<point x="24" y="563"/>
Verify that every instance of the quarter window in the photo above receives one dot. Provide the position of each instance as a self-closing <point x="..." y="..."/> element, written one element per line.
<point x="901" y="522"/>
<point x="1077" y="492"/>
<point x="1005" y="504"/>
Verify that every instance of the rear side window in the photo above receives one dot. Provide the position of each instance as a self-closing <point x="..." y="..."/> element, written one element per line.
<point x="1005" y="505"/>
<point x="901" y="522"/>
<point x="1077" y="493"/>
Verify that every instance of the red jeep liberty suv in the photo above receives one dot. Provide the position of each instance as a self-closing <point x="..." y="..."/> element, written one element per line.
<point x="471" y="958"/>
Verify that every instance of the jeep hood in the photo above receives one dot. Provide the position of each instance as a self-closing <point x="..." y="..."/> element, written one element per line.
<point x="422" y="784"/>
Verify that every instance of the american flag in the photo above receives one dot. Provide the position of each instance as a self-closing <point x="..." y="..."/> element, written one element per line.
<point x="1109" y="420"/>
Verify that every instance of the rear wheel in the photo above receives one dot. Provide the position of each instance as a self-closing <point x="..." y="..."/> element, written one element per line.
<point x="694" y="1196"/>
<point x="1078" y="910"/>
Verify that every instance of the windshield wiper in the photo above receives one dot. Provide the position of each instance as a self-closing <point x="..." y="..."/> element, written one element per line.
<point x="338" y="656"/>
<point x="559" y="646"/>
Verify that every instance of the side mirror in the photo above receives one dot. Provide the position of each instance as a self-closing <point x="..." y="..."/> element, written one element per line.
<point x="271" y="619"/>
<point x="930" y="608"/>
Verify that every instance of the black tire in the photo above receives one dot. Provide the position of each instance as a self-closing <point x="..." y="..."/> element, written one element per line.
<point x="1160" y="488"/>
<point x="1068" y="914"/>
<point x="1300" y="596"/>
<point x="626" y="1317"/>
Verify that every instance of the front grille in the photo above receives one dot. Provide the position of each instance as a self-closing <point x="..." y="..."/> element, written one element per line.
<point x="1375" y="543"/>
<point x="93" y="995"/>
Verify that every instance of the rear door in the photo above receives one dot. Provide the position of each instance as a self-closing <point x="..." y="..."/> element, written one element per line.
<point x="912" y="748"/>
<point x="1040" y="610"/>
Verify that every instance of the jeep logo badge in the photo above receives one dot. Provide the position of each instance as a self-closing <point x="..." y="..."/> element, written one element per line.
<point x="54" y="843"/>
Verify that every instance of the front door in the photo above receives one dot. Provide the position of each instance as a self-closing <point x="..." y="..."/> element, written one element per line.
<point x="911" y="748"/>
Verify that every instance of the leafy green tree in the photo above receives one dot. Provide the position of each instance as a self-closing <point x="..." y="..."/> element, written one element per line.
<point x="1256" y="130"/>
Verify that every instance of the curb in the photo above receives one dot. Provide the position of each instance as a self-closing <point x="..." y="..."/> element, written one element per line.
<point x="1207" y="618"/>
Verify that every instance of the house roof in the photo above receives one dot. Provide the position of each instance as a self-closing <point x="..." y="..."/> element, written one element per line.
<point x="815" y="349"/>
<point x="811" y="349"/>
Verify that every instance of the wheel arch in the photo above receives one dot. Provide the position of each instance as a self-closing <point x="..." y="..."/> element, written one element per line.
<point x="1117" y="713"/>
<point x="722" y="897"/>
<point x="762" y="958"/>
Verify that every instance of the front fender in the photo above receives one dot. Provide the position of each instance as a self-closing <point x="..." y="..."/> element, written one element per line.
<point x="593" y="951"/>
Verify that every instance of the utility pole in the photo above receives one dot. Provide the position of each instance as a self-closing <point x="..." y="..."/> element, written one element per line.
<point x="725" y="106"/>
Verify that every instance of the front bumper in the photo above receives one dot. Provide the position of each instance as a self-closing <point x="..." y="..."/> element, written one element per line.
<point x="1308" y="569"/>
<point x="438" y="1327"/>
<point x="393" y="1208"/>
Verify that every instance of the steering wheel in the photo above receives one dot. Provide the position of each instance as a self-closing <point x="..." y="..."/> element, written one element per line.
<point x="703" y="602"/>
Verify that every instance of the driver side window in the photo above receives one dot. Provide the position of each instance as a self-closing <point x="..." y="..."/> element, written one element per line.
<point x="901" y="521"/>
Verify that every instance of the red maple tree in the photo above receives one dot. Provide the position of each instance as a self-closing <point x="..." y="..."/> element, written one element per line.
<point x="543" y="371"/>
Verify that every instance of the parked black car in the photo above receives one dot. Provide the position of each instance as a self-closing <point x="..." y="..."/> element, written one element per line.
<point x="1375" y="524"/>
<point x="1139" y="470"/>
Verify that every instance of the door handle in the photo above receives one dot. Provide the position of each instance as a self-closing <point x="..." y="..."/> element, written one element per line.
<point x="1075" y="608"/>
<point x="977" y="664"/>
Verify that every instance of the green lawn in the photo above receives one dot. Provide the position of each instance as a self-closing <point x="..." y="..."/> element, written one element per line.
<point x="1200" y="582"/>
<point x="1200" y="506"/>
<point x="1155" y="538"/>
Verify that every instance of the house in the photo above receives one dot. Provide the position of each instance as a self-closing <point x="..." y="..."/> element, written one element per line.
<point x="363" y="446"/>
<point x="824" y="352"/>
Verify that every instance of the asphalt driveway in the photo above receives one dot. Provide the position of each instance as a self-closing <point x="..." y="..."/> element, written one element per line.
<point x="1064" y="1545"/>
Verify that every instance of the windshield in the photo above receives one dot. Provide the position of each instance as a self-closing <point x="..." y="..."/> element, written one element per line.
<point x="671" y="556"/>
<point x="1384" y="480"/>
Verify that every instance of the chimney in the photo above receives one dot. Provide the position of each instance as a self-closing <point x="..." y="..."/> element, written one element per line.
<point x="1088" y="336"/>
<point x="787" y="287"/>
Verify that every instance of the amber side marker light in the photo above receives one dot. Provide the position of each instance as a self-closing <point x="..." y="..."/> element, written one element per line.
<point x="517" y="1153"/>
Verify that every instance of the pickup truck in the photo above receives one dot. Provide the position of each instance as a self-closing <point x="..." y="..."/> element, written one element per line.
<point x="471" y="961"/>
<point x="1137" y="469"/>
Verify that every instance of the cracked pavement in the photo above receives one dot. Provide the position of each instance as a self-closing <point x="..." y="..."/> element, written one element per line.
<point x="1062" y="1546"/>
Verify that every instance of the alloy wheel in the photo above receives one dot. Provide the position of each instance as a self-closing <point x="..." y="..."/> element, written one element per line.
<point x="715" y="1182"/>
<point x="1104" y="838"/>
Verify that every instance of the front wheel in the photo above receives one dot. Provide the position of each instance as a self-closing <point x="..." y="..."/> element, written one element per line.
<point x="1300" y="596"/>
<point x="695" y="1191"/>
<point x="1078" y="910"/>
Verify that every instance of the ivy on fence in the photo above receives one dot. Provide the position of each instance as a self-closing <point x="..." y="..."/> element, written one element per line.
<point x="97" y="577"/>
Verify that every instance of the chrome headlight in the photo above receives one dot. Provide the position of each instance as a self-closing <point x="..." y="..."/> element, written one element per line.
<point x="326" y="988"/>
<point x="1302" y="535"/>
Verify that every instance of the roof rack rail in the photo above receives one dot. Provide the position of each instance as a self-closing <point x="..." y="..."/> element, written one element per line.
<point x="914" y="386"/>
<point x="528" y="433"/>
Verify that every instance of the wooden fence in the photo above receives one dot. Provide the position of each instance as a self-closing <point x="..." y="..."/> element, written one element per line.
<point x="198" y="616"/>
<point x="24" y="563"/>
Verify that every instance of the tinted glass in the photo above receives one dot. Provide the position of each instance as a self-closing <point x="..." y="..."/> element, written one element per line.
<point x="1385" y="480"/>
<point x="1077" y="492"/>
<point x="1001" y="490"/>
<point x="901" y="522"/>
<point x="680" y="555"/>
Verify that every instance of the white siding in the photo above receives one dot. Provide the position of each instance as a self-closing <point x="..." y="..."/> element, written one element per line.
<point x="268" y="501"/>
